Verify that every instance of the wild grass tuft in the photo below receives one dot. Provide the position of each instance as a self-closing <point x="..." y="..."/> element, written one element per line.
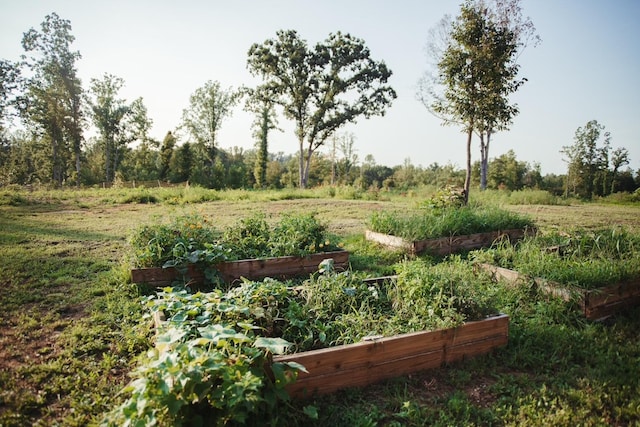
<point x="582" y="259"/>
<point x="430" y="223"/>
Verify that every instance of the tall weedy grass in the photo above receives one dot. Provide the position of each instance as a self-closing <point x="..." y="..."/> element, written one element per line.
<point x="430" y="223"/>
<point x="584" y="259"/>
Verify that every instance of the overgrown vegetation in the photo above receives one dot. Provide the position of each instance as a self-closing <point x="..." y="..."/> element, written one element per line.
<point x="580" y="259"/>
<point x="72" y="329"/>
<point x="432" y="222"/>
<point x="211" y="352"/>
<point x="192" y="239"/>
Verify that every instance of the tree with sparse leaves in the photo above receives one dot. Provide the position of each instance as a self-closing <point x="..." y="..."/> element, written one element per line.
<point x="9" y="80"/>
<point x="119" y="122"/>
<point x="265" y="121"/>
<point x="53" y="102"/>
<point x="619" y="158"/>
<point x="208" y="107"/>
<point x="476" y="71"/>
<point x="321" y="88"/>
<point x="166" y="151"/>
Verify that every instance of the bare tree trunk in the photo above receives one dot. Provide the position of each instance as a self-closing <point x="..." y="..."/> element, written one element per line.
<point x="301" y="180"/>
<point x="467" y="178"/>
<point x="484" y="159"/>
<point x="307" y="167"/>
<point x="333" y="162"/>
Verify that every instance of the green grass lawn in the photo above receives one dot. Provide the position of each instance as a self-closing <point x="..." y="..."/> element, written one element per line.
<point x="71" y="329"/>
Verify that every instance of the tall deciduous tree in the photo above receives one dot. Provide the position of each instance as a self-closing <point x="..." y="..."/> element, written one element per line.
<point x="54" y="92"/>
<point x="166" y="151"/>
<point x="265" y="121"/>
<point x="208" y="107"/>
<point x="619" y="158"/>
<point x="498" y="113"/>
<point x="119" y="123"/>
<point x="320" y="88"/>
<point x="9" y="79"/>
<point x="476" y="70"/>
<point x="587" y="159"/>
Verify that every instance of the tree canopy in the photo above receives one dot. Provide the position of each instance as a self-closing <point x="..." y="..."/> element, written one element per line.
<point x="118" y="122"/>
<point x="592" y="167"/>
<point x="208" y="107"/>
<point x="475" y="57"/>
<point x="320" y="88"/>
<point x="54" y="95"/>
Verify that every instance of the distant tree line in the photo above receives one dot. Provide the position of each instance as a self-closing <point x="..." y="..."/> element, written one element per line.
<point x="44" y="93"/>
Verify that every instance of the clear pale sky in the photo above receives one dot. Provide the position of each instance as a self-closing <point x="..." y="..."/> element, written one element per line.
<point x="587" y="66"/>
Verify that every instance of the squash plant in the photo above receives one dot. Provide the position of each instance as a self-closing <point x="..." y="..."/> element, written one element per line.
<point x="209" y="364"/>
<point x="212" y="358"/>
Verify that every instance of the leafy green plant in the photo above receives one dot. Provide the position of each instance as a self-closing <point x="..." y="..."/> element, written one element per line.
<point x="208" y="364"/>
<point x="155" y="245"/>
<point x="300" y="235"/>
<point x="443" y="295"/>
<point x="250" y="237"/>
<point x="191" y="239"/>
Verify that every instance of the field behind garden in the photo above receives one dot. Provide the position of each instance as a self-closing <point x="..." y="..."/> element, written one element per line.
<point x="70" y="321"/>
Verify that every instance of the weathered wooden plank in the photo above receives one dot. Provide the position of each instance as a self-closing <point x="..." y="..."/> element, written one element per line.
<point x="163" y="276"/>
<point x="388" y="240"/>
<point x="604" y="301"/>
<point x="379" y="280"/>
<point x="372" y="361"/>
<point x="473" y="331"/>
<point x="341" y="379"/>
<point x="279" y="267"/>
<point x="450" y="244"/>
<point x="474" y="348"/>
<point x="613" y="293"/>
<point x="546" y="286"/>
<point x="595" y="304"/>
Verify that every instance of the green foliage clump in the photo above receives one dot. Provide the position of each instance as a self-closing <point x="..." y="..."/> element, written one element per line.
<point x="434" y="222"/>
<point x="442" y="295"/>
<point x="140" y="196"/>
<point x="584" y="259"/>
<point x="191" y="239"/>
<point x="299" y="234"/>
<point x="209" y="365"/>
<point x="155" y="245"/>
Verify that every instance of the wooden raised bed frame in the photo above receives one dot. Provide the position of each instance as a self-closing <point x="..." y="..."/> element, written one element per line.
<point x="279" y="267"/>
<point x="595" y="303"/>
<point x="448" y="245"/>
<point x="368" y="362"/>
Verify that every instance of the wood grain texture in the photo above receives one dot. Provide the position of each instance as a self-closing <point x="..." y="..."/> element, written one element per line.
<point x="279" y="268"/>
<point x="368" y="362"/>
<point x="448" y="245"/>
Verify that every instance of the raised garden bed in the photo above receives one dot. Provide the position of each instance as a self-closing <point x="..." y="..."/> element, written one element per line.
<point x="595" y="303"/>
<point x="447" y="245"/>
<point x="368" y="362"/>
<point x="277" y="267"/>
<point x="375" y="359"/>
<point x="268" y="340"/>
